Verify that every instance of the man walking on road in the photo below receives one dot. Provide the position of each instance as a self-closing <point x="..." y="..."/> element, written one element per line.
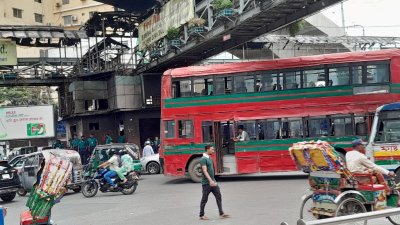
<point x="209" y="184"/>
<point x="147" y="150"/>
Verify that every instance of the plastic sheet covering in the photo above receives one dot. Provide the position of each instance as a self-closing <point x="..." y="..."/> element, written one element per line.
<point x="50" y="186"/>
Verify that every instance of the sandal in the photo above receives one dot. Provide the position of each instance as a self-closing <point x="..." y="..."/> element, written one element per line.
<point x="203" y="217"/>
<point x="225" y="216"/>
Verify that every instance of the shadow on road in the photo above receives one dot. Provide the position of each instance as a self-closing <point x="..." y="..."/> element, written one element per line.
<point x="235" y="178"/>
<point x="261" y="178"/>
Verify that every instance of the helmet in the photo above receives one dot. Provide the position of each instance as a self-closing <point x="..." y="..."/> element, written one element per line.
<point x="147" y="143"/>
<point x="123" y="152"/>
<point x="112" y="152"/>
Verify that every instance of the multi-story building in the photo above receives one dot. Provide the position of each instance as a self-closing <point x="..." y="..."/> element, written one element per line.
<point x="64" y="13"/>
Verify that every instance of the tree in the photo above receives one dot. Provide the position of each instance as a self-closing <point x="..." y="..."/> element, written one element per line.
<point x="15" y="96"/>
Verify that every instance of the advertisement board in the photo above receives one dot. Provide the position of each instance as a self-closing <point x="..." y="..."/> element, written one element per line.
<point x="173" y="14"/>
<point x="26" y="122"/>
<point x="8" y="53"/>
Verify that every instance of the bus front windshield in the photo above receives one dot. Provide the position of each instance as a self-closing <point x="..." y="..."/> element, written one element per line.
<point x="388" y="127"/>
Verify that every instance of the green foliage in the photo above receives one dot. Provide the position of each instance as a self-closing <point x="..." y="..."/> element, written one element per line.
<point x="173" y="33"/>
<point x="295" y="27"/>
<point x="15" y="96"/>
<point x="222" y="4"/>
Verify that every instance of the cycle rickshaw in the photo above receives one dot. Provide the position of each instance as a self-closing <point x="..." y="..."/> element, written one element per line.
<point x="335" y="190"/>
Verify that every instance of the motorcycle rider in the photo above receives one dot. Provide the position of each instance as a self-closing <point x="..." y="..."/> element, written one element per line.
<point x="113" y="165"/>
<point x="127" y="165"/>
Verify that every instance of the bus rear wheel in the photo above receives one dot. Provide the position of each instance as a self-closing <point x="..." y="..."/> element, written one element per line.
<point x="194" y="170"/>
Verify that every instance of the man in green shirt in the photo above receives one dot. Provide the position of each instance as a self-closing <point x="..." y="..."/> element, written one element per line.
<point x="108" y="139"/>
<point x="209" y="184"/>
<point x="83" y="152"/>
<point x="92" y="142"/>
<point x="75" y="143"/>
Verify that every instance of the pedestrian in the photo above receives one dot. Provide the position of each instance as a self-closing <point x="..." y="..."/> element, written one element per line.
<point x="75" y="143"/>
<point x="83" y="149"/>
<point x="156" y="144"/>
<point x="121" y="137"/>
<point x="108" y="139"/>
<point x="92" y="142"/>
<point x="209" y="184"/>
<point x="58" y="144"/>
<point x="147" y="150"/>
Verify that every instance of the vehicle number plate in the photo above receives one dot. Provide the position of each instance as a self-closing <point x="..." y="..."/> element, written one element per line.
<point x="5" y="176"/>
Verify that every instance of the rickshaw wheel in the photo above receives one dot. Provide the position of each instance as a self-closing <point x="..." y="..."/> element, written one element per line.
<point x="394" y="219"/>
<point x="350" y="206"/>
<point x="306" y="205"/>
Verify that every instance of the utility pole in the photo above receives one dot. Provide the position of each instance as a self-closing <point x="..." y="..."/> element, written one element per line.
<point x="343" y="21"/>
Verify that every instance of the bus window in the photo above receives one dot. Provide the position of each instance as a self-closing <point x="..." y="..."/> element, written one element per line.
<point x="169" y="129"/>
<point x="378" y="73"/>
<point x="270" y="129"/>
<point x="244" y="84"/>
<point x="249" y="127"/>
<point x="357" y="74"/>
<point x="342" y="127"/>
<point x="314" y="78"/>
<point x="202" y="87"/>
<point x="207" y="128"/>
<point x="292" y="80"/>
<point x="318" y="127"/>
<point x="388" y="128"/>
<point x="267" y="82"/>
<point x="223" y="85"/>
<point x="360" y="125"/>
<point x="181" y="88"/>
<point x="292" y="129"/>
<point x="339" y="76"/>
<point x="185" y="129"/>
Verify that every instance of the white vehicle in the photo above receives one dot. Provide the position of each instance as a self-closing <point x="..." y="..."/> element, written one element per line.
<point x="151" y="164"/>
<point x="384" y="142"/>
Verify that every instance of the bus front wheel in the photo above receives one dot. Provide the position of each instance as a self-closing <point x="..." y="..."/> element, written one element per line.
<point x="194" y="170"/>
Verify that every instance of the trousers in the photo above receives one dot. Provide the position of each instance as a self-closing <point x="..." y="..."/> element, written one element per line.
<point x="207" y="189"/>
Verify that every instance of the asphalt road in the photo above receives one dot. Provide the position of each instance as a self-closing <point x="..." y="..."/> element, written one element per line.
<point x="161" y="200"/>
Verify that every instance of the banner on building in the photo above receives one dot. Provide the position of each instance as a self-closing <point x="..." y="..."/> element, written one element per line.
<point x="8" y="53"/>
<point x="173" y="14"/>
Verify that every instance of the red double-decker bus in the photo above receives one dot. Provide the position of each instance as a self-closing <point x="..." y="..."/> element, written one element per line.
<point x="277" y="102"/>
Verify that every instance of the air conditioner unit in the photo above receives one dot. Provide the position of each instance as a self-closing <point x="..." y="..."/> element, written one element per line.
<point x="74" y="18"/>
<point x="58" y="5"/>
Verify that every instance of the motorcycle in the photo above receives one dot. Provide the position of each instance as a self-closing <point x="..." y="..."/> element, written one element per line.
<point x="97" y="182"/>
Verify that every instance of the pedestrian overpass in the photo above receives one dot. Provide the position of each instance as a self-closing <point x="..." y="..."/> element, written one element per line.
<point x="251" y="18"/>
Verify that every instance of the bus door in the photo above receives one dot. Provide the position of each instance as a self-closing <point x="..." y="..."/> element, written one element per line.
<point x="218" y="141"/>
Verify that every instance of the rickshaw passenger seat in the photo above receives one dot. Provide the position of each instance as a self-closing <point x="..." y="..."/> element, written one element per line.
<point x="366" y="182"/>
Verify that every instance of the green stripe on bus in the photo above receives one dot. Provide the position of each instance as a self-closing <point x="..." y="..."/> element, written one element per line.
<point x="248" y="99"/>
<point x="387" y="162"/>
<point x="262" y="145"/>
<point x="189" y="152"/>
<point x="265" y="96"/>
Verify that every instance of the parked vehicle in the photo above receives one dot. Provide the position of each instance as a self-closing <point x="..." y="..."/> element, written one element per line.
<point x="23" y="151"/>
<point x="9" y="182"/>
<point x="17" y="163"/>
<point x="31" y="166"/>
<point x="97" y="181"/>
<point x="151" y="164"/>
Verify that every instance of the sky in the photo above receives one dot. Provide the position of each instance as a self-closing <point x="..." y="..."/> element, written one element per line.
<point x="378" y="17"/>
